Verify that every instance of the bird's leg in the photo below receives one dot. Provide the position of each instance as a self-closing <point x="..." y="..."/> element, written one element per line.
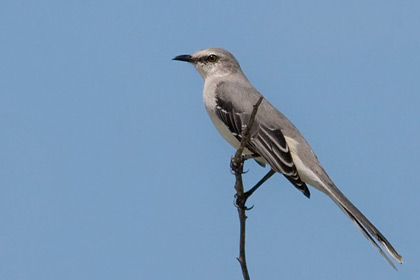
<point x="246" y="157"/>
<point x="242" y="201"/>
<point x="260" y="182"/>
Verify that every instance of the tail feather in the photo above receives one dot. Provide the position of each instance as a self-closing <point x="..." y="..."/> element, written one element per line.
<point x="364" y="225"/>
<point x="367" y="235"/>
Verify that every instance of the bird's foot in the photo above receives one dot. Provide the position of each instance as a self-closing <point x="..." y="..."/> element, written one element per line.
<point x="240" y="201"/>
<point x="237" y="166"/>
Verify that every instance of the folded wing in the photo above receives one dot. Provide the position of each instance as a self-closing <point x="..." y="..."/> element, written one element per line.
<point x="266" y="142"/>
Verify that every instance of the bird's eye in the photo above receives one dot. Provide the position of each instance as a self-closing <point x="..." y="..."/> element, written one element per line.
<point x="212" y="58"/>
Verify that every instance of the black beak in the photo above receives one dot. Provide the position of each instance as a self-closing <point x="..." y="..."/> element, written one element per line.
<point x="184" y="57"/>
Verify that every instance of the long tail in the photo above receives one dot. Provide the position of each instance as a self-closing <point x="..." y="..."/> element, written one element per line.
<point x="365" y="226"/>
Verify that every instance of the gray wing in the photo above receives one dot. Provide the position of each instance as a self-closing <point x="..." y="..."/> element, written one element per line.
<point x="266" y="142"/>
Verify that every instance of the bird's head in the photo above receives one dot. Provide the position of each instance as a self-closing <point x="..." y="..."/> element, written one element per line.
<point x="214" y="62"/>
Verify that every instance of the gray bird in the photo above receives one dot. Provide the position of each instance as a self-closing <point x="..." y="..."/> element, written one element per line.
<point x="229" y="99"/>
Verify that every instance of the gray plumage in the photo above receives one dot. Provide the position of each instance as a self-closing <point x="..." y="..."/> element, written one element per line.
<point x="229" y="99"/>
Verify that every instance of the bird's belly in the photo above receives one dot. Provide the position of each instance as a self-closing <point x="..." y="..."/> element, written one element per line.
<point x="224" y="131"/>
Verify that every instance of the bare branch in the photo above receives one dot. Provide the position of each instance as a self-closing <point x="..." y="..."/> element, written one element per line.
<point x="237" y="163"/>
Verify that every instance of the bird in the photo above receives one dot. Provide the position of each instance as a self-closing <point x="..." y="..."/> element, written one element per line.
<point x="229" y="98"/>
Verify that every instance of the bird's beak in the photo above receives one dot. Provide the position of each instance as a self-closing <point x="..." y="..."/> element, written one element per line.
<point x="184" y="57"/>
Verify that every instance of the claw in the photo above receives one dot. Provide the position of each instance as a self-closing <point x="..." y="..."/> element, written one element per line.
<point x="235" y="202"/>
<point x="249" y="208"/>
<point x="240" y="203"/>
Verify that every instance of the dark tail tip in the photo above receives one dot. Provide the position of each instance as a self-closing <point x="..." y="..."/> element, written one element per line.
<point x="306" y="192"/>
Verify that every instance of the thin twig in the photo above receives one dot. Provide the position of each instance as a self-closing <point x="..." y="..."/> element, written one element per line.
<point x="237" y="163"/>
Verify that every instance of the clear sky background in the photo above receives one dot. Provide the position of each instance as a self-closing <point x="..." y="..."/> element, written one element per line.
<point x="111" y="169"/>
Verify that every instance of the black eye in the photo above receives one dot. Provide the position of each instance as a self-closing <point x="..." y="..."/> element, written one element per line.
<point x="212" y="58"/>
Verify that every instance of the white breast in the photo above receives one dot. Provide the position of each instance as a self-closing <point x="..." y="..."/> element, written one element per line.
<point x="209" y="98"/>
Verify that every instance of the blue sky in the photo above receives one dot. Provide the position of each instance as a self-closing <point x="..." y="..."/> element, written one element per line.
<point x="111" y="169"/>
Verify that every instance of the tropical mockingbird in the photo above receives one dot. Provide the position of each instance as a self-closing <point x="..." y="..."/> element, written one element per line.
<point x="229" y="99"/>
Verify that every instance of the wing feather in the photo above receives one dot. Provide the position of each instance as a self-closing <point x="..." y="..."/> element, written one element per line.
<point x="266" y="142"/>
